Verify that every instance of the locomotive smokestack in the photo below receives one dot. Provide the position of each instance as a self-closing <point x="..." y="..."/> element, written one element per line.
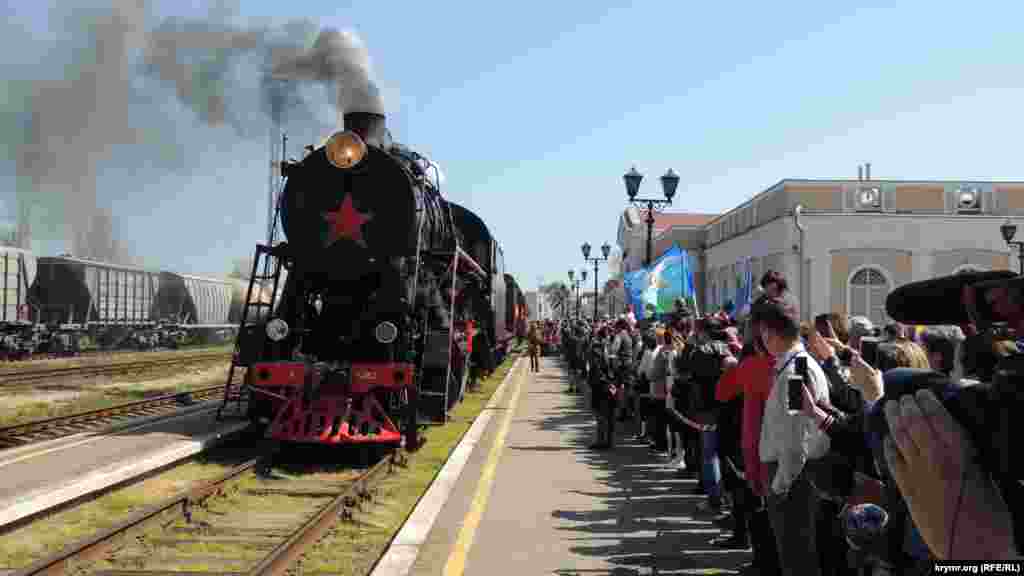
<point x="370" y="126"/>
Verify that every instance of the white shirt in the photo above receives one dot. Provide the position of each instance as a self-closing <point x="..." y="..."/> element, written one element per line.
<point x="645" y="363"/>
<point x="788" y="437"/>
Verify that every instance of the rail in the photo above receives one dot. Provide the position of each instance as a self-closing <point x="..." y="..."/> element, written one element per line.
<point x="38" y="358"/>
<point x="344" y="501"/>
<point x="57" y="427"/>
<point x="23" y="377"/>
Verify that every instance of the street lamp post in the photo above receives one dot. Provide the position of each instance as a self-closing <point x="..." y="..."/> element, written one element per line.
<point x="1008" y="230"/>
<point x="669" y="182"/>
<point x="576" y="284"/>
<point x="605" y="249"/>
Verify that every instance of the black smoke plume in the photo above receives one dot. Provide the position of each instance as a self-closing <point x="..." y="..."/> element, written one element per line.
<point x="103" y="109"/>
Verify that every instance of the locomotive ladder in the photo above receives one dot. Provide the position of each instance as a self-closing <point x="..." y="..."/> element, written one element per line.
<point x="271" y="271"/>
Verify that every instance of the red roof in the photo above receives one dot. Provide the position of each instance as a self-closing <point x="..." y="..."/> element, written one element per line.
<point x="666" y="220"/>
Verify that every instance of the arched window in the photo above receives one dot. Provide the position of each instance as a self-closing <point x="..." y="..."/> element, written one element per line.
<point x="866" y="294"/>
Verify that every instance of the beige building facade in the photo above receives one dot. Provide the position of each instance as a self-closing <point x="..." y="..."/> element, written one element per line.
<point x="844" y="245"/>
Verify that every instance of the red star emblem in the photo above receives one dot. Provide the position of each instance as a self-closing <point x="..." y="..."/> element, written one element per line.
<point x="346" y="222"/>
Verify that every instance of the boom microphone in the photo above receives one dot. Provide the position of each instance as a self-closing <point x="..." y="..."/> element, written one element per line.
<point x="938" y="301"/>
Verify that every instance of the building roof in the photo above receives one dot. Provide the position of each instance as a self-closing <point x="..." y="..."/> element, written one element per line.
<point x="666" y="220"/>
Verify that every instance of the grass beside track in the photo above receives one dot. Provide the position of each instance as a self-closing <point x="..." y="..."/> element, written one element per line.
<point x="49" y="535"/>
<point x="117" y="356"/>
<point x="348" y="549"/>
<point x="29" y="406"/>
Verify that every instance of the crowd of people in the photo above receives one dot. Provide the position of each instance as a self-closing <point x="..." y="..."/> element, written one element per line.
<point x="823" y="445"/>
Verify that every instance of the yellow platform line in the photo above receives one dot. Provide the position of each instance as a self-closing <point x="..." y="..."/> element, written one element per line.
<point x="456" y="564"/>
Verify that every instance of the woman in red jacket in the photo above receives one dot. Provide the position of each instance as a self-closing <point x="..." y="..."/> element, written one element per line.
<point x="755" y="376"/>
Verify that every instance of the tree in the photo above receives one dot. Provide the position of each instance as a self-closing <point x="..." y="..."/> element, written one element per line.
<point x="241" y="269"/>
<point x="558" y="295"/>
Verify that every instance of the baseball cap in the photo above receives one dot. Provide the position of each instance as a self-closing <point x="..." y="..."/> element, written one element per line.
<point x="861" y="326"/>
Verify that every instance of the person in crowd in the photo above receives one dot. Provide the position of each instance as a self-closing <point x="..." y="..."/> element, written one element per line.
<point x="711" y="357"/>
<point x="602" y="391"/>
<point x="684" y="437"/>
<point x="535" y="340"/>
<point x="789" y="439"/>
<point x="774" y="284"/>
<point x="860" y="327"/>
<point x="902" y="354"/>
<point x="658" y="375"/>
<point x="638" y="389"/>
<point x="840" y="326"/>
<point x="805" y="330"/>
<point x="648" y="421"/>
<point x="729" y="394"/>
<point x="943" y="345"/>
<point x="620" y="352"/>
<point x="569" y="351"/>
<point x="755" y="374"/>
<point x="895" y="331"/>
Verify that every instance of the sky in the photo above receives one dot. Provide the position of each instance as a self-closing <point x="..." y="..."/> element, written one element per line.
<point x="534" y="110"/>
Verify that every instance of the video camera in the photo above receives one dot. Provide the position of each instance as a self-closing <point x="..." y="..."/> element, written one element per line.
<point x="989" y="411"/>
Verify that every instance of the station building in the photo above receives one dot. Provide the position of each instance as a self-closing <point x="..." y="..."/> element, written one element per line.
<point x="844" y="245"/>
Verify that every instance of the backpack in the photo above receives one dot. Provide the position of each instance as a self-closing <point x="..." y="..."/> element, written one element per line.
<point x="684" y="376"/>
<point x="706" y="369"/>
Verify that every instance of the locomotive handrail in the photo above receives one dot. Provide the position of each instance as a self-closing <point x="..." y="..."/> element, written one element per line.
<point x="463" y="255"/>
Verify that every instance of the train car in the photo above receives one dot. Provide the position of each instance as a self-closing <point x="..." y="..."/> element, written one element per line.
<point x="17" y="338"/>
<point x="499" y="297"/>
<point x="17" y="274"/>
<point x="193" y="300"/>
<point x="489" y="306"/>
<point x="76" y="293"/>
<point x="513" y="308"/>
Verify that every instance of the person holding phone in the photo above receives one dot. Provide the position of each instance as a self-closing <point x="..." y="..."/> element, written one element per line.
<point x="789" y="439"/>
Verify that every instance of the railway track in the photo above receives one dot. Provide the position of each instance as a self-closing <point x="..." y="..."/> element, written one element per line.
<point x="36" y="358"/>
<point x="60" y="426"/>
<point x="26" y="378"/>
<point x="244" y="522"/>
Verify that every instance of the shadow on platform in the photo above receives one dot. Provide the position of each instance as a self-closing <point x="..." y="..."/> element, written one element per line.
<point x="646" y="522"/>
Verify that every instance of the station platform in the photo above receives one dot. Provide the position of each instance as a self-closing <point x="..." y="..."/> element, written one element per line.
<point x="533" y="499"/>
<point x="39" y="477"/>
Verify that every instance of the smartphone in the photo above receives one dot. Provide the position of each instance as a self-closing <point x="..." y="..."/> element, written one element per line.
<point x="800" y="366"/>
<point x="796" y="393"/>
<point x="869" y="351"/>
<point x="823" y="326"/>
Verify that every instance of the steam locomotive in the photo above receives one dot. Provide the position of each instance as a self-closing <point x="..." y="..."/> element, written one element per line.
<point x="392" y="293"/>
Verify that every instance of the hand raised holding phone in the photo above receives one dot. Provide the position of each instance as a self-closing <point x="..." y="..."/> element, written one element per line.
<point x="866" y="378"/>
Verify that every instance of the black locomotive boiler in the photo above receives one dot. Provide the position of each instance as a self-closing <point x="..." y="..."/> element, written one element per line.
<point x="388" y="288"/>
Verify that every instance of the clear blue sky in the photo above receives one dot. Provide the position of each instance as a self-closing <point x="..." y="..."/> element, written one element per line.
<point x="535" y="109"/>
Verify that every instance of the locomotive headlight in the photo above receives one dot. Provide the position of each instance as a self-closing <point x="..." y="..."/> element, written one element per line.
<point x="345" y="149"/>
<point x="277" y="330"/>
<point x="386" y="332"/>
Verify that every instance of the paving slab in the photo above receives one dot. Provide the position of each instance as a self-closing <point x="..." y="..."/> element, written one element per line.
<point x="556" y="507"/>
